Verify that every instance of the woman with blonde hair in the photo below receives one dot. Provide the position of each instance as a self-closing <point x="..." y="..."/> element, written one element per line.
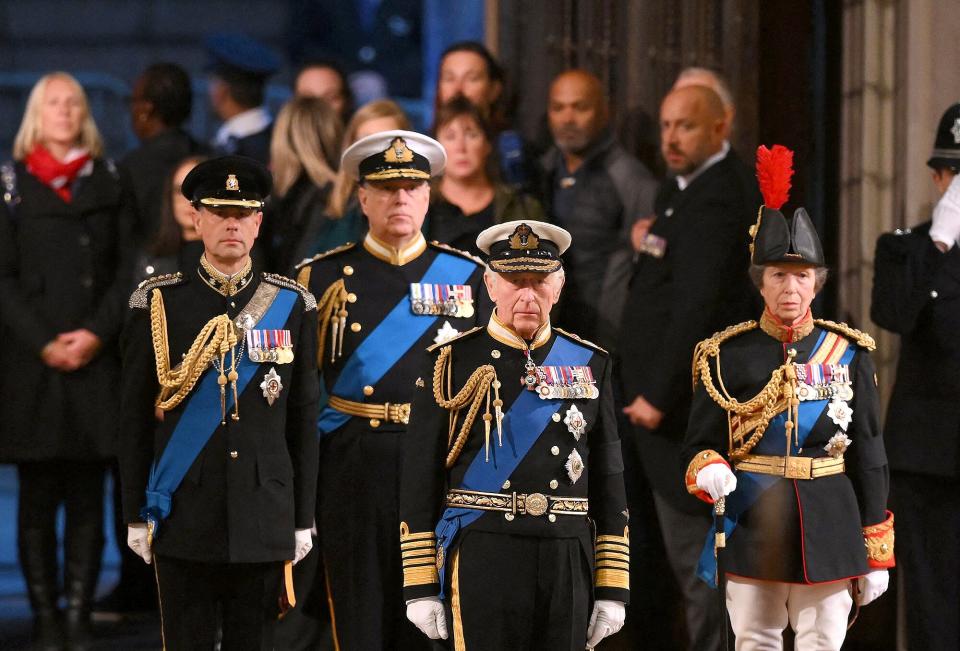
<point x="304" y="155"/>
<point x="64" y="271"/>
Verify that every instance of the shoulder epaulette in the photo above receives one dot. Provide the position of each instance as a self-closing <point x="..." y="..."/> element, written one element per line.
<point x="710" y="347"/>
<point x="862" y="338"/>
<point x="326" y="254"/>
<point x="309" y="302"/>
<point x="460" y="336"/>
<point x="582" y="340"/>
<point x="140" y="298"/>
<point x="463" y="254"/>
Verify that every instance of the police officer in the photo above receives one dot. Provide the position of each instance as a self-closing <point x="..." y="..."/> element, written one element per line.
<point x="381" y="303"/>
<point x="219" y="457"/>
<point x="513" y="428"/>
<point x="916" y="294"/>
<point x="790" y="402"/>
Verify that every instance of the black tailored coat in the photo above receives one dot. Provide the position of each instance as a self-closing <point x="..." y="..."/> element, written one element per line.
<point x="63" y="266"/>
<point x="916" y="293"/>
<point x="799" y="531"/>
<point x="425" y="481"/>
<point x="254" y="482"/>
<point x="255" y="146"/>
<point x="699" y="286"/>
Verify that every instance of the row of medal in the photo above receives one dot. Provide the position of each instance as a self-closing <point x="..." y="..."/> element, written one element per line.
<point x="275" y="346"/>
<point x="827" y="382"/>
<point x="430" y="299"/>
<point x="560" y="382"/>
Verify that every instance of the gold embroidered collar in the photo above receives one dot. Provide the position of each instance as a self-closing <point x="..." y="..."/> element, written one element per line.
<point x="507" y="335"/>
<point x="788" y="334"/>
<point x="227" y="285"/>
<point x="392" y="255"/>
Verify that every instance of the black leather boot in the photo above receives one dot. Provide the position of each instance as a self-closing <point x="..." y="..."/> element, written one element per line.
<point x="83" y="547"/>
<point x="38" y="559"/>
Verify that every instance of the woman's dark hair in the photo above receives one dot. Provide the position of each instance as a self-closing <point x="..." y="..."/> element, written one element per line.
<point x="498" y="111"/>
<point x="167" y="87"/>
<point x="461" y="107"/>
<point x="169" y="237"/>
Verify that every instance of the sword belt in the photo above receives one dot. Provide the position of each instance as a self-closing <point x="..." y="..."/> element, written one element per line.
<point x="387" y="412"/>
<point x="791" y="467"/>
<point x="534" y="504"/>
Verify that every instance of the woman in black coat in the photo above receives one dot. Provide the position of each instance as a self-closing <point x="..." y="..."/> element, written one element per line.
<point x="63" y="254"/>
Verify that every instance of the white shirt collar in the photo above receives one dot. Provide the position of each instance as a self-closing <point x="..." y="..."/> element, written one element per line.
<point x="243" y="124"/>
<point x="684" y="181"/>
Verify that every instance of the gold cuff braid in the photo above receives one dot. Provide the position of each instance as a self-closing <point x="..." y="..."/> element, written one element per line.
<point x="612" y="555"/>
<point x="698" y="463"/>
<point x="418" y="553"/>
<point x="878" y="539"/>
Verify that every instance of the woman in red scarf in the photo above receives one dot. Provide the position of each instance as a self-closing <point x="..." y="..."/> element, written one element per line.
<point x="62" y="296"/>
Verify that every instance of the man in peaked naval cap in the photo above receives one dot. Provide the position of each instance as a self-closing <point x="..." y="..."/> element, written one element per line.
<point x="218" y="459"/>
<point x="381" y="303"/>
<point x="916" y="294"/>
<point x="513" y="429"/>
<point x="239" y="67"/>
<point x="790" y="403"/>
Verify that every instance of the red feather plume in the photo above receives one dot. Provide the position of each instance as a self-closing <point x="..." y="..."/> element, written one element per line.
<point x="774" y="169"/>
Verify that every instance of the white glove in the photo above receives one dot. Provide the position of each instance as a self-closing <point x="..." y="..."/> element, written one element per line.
<point x="137" y="540"/>
<point x="871" y="586"/>
<point x="427" y="615"/>
<point x="607" y="619"/>
<point x="717" y="480"/>
<point x="304" y="543"/>
<point x="946" y="215"/>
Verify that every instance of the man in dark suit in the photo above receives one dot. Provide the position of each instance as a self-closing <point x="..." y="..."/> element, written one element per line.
<point x="916" y="293"/>
<point x="689" y="280"/>
<point x="218" y="456"/>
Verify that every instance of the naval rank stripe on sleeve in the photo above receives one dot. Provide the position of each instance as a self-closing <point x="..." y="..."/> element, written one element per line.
<point x="612" y="555"/>
<point x="418" y="553"/>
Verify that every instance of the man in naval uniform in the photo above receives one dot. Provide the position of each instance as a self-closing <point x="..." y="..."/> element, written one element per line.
<point x="790" y="402"/>
<point x="218" y="455"/>
<point x="381" y="303"/>
<point x="513" y="430"/>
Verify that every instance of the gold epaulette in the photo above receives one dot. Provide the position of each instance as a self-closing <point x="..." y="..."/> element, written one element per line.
<point x="140" y="298"/>
<point x="581" y="340"/>
<point x="711" y="345"/>
<point x="453" y="339"/>
<point x="309" y="302"/>
<point x="862" y="338"/>
<point x="463" y="254"/>
<point x="326" y="254"/>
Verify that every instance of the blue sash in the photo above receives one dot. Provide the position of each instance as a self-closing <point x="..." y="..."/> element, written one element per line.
<point x="522" y="425"/>
<point x="390" y="341"/>
<point x="751" y="485"/>
<point x="200" y="419"/>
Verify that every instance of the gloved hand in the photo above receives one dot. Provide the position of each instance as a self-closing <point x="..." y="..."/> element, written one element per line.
<point x="717" y="480"/>
<point x="304" y="543"/>
<point x="137" y="540"/>
<point x="427" y="615"/>
<point x="607" y="619"/>
<point x="946" y="215"/>
<point x="871" y="586"/>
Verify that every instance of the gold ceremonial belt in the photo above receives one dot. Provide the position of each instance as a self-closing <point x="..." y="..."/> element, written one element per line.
<point x="388" y="412"/>
<point x="518" y="503"/>
<point x="791" y="467"/>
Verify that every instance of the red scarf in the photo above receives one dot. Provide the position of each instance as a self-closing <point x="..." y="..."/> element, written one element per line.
<point x="57" y="175"/>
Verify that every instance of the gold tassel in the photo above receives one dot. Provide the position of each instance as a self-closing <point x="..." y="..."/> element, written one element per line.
<point x="222" y="381"/>
<point x="334" y="322"/>
<point x="233" y="376"/>
<point x="498" y="408"/>
<point x="343" y="328"/>
<point x="486" y="428"/>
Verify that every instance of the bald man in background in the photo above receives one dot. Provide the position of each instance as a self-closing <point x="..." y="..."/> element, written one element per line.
<point x="597" y="191"/>
<point x="689" y="281"/>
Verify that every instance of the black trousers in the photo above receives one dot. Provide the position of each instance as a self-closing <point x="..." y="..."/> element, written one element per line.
<point x="199" y="599"/>
<point x="518" y="593"/>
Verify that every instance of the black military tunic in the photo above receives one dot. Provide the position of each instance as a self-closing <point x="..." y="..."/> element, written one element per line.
<point x="519" y="575"/>
<point x="360" y="455"/>
<point x="796" y="530"/>
<point x="254" y="482"/>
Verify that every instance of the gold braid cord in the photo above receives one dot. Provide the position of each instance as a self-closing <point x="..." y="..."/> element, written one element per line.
<point x="477" y="387"/>
<point x="754" y="415"/>
<point x="331" y="313"/>
<point x="216" y="338"/>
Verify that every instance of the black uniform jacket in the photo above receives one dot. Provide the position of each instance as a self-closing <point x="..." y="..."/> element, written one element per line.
<point x="916" y="293"/>
<point x="63" y="266"/>
<point x="425" y="481"/>
<point x="376" y="279"/>
<point x="255" y="480"/>
<point x="799" y="530"/>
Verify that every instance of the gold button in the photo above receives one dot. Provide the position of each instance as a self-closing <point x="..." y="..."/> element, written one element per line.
<point x="554" y="483"/>
<point x="351" y="297"/>
<point x="234" y="454"/>
<point x="554" y="450"/>
<point x="374" y="422"/>
<point x="506" y="484"/>
<point x="355" y="326"/>
<point x="792" y="352"/>
<point x="552" y="518"/>
<point x="508" y="517"/>
<point x="495" y="353"/>
<point x="556" y="417"/>
<point x="368" y="390"/>
<point x="348" y="271"/>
